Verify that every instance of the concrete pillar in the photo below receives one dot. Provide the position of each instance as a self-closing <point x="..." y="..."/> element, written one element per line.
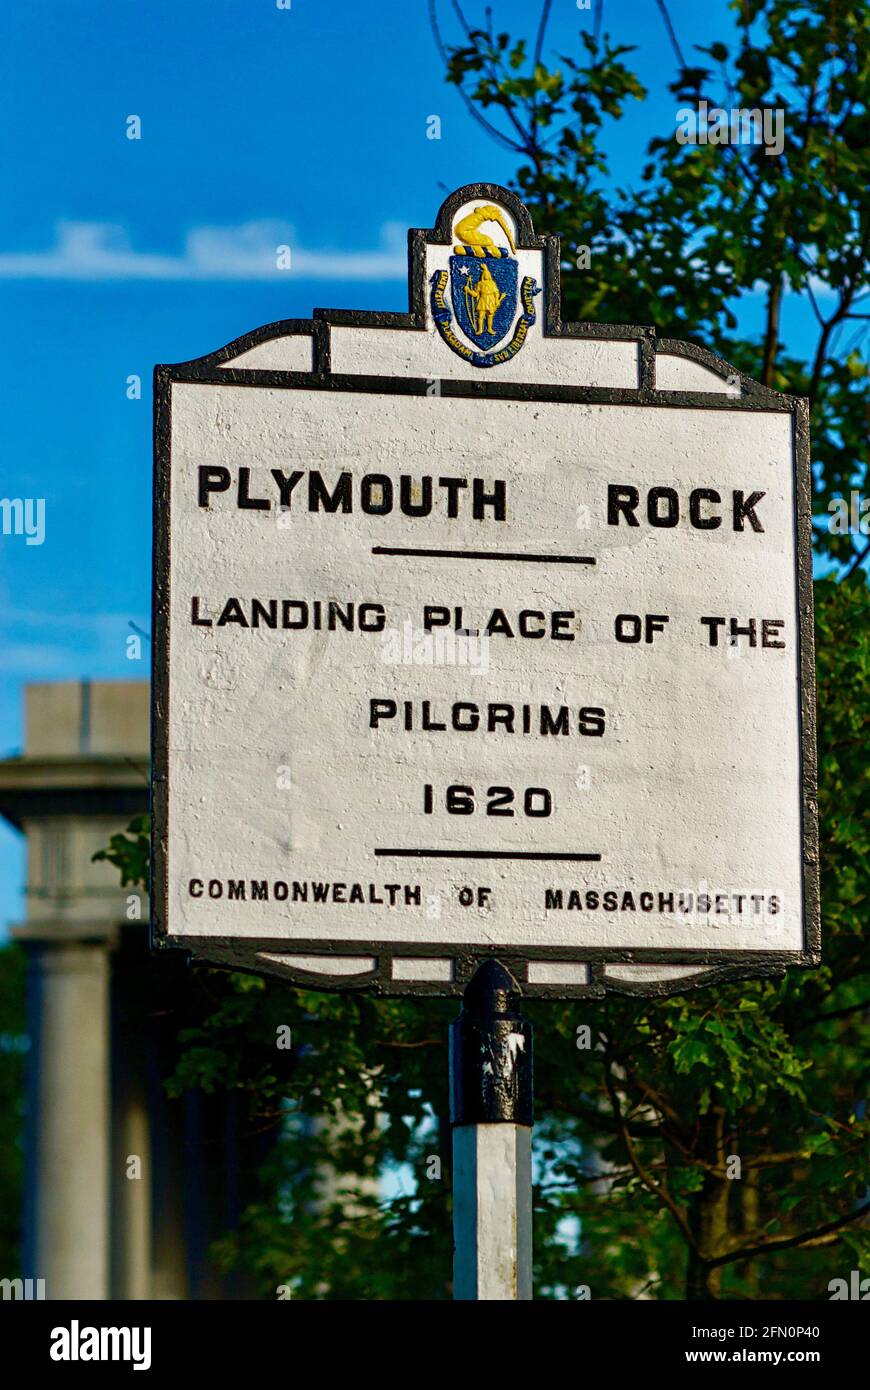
<point x="81" y="776"/>
<point x="169" y="1274"/>
<point x="68" y="1118"/>
<point x="132" y="1179"/>
<point x="131" y="1208"/>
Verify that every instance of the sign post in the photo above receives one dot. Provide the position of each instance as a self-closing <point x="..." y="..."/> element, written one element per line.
<point x="491" y="1111"/>
<point x="482" y="635"/>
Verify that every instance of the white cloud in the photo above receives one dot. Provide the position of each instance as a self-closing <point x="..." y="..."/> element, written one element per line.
<point x="102" y="251"/>
<point x="42" y="645"/>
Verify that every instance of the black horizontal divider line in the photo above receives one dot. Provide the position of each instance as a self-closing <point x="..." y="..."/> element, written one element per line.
<point x="482" y="854"/>
<point x="484" y="555"/>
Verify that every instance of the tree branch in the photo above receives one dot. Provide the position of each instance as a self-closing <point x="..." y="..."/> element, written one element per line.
<point x="771" y="337"/>
<point x="658" y="1189"/>
<point x="764" y="1247"/>
<point x="858" y="561"/>
<point x="542" y="29"/>
<point x="470" y="106"/>
<point x="671" y="34"/>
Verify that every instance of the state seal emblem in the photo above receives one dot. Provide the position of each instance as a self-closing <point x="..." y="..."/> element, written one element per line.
<point x="485" y="292"/>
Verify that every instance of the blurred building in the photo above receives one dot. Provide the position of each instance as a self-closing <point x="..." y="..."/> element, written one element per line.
<point x="125" y="1187"/>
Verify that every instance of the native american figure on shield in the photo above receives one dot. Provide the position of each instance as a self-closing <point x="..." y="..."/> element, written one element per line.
<point x="487" y="301"/>
<point x="483" y="277"/>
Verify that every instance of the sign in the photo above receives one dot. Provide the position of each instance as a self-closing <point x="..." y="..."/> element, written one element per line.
<point x="480" y="633"/>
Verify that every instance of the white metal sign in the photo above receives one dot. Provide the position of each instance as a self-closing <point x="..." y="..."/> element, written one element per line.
<point x="478" y="633"/>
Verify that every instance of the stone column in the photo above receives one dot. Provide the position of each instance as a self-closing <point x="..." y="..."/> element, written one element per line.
<point x="132" y="1176"/>
<point x="68" y="1118"/>
<point x="82" y="775"/>
<point x="131" y="1209"/>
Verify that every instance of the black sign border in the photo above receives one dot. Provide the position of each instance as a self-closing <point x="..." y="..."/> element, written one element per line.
<point x="240" y="953"/>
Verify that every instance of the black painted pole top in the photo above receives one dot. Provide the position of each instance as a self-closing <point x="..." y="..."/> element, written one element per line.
<point x="491" y="1065"/>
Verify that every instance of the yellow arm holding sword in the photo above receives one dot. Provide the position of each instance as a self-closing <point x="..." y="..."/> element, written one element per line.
<point x="471" y="237"/>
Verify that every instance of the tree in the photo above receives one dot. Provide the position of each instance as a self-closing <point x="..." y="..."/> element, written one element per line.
<point x="13" y="1051"/>
<point x="710" y="224"/>
<point x="706" y="1146"/>
<point x="711" y="1145"/>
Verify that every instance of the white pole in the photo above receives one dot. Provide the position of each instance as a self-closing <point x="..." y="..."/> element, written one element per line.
<point x="491" y="1094"/>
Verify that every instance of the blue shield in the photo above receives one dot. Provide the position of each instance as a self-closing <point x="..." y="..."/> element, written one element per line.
<point x="484" y="294"/>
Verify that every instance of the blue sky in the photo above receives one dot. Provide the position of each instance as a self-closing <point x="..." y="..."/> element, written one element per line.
<point x="260" y="126"/>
